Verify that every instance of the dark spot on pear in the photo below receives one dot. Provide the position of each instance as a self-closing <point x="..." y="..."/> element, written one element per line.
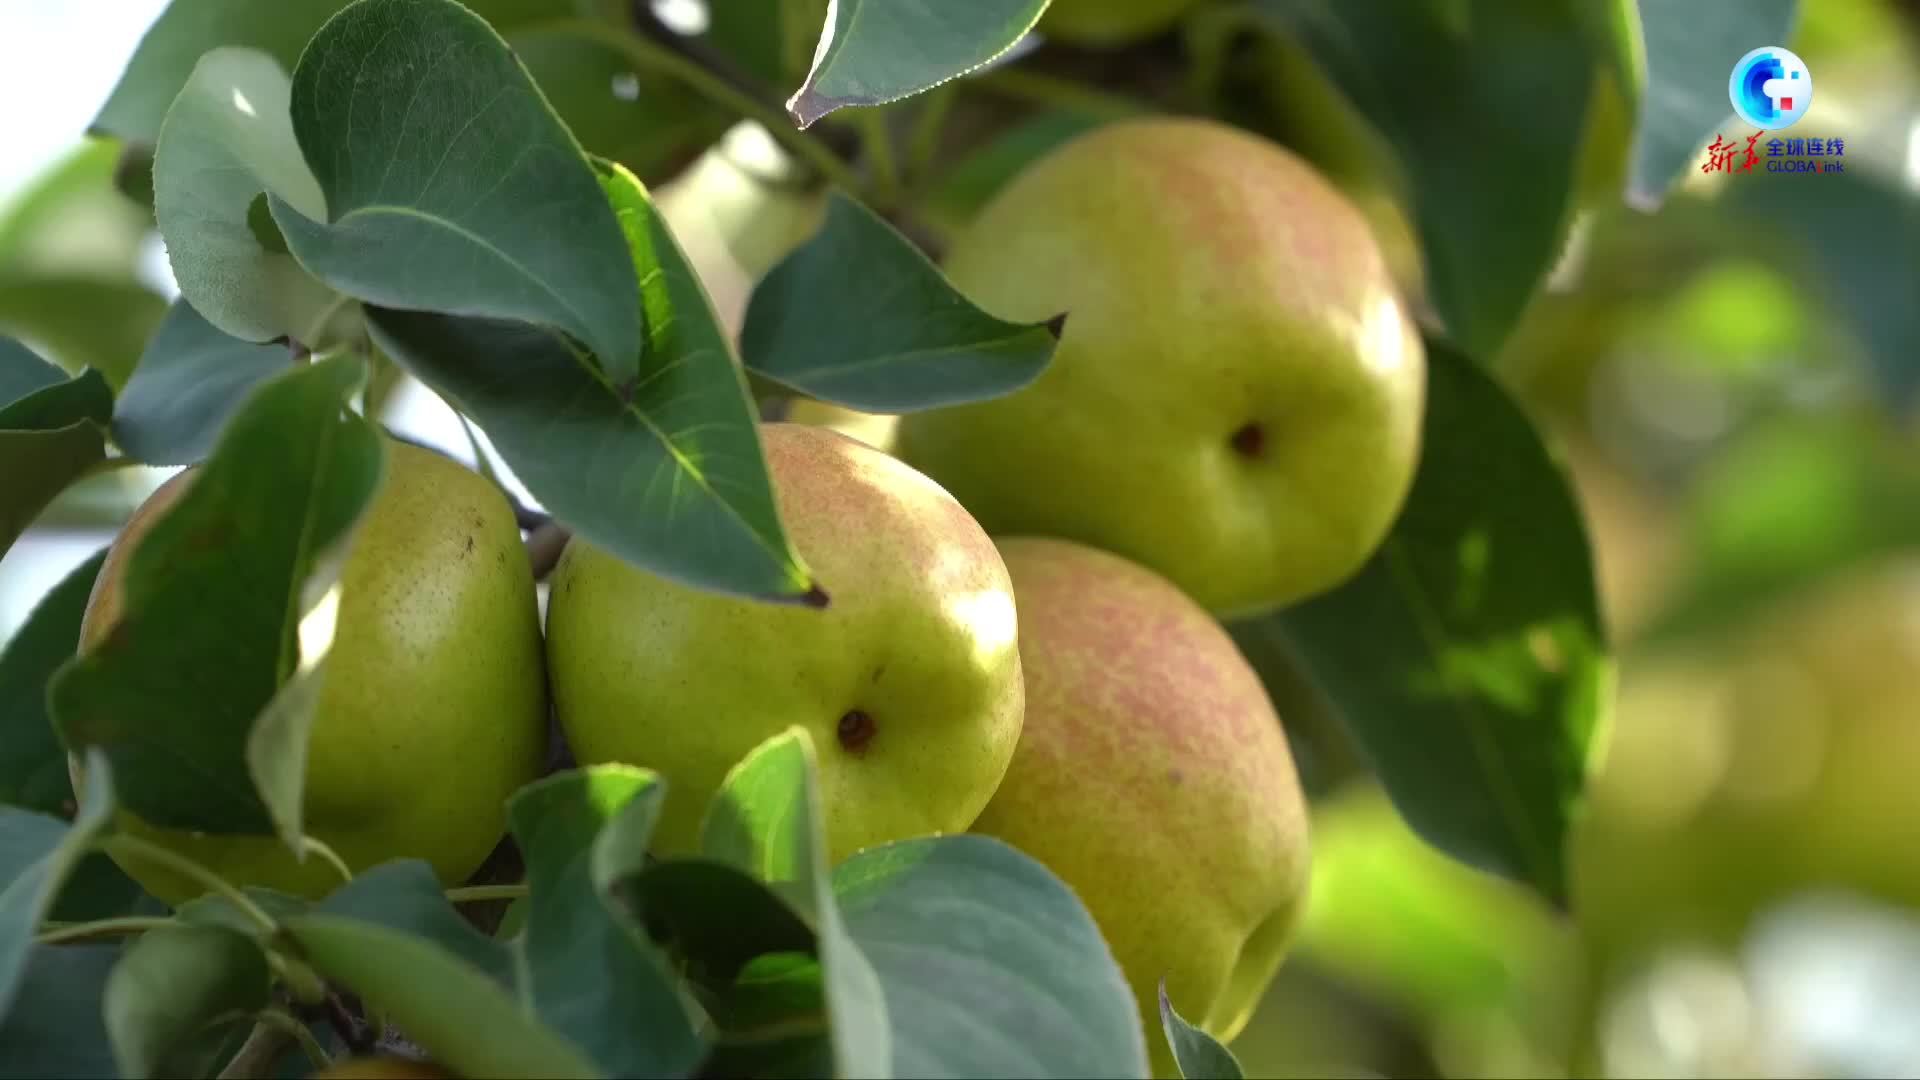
<point x="469" y="550"/>
<point x="1057" y="325"/>
<point x="1250" y="441"/>
<point x="815" y="597"/>
<point x="856" y="731"/>
<point x="1174" y="777"/>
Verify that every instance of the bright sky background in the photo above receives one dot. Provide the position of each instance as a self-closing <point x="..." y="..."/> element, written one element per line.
<point x="58" y="61"/>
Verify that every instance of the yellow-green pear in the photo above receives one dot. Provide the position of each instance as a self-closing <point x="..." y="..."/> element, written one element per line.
<point x="874" y="429"/>
<point x="1236" y="400"/>
<point x="909" y="680"/>
<point x="1154" y="778"/>
<point x="1110" y="23"/>
<point x="432" y="707"/>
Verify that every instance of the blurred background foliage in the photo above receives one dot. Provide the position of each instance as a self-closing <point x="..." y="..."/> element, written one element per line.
<point x="1731" y="380"/>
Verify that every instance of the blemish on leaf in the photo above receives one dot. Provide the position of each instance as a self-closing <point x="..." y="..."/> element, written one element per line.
<point x="856" y="731"/>
<point x="815" y="597"/>
<point x="1057" y="325"/>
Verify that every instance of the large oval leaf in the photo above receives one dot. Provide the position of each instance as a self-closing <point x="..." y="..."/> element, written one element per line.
<point x="665" y="470"/>
<point x="36" y="855"/>
<point x="968" y="935"/>
<point x="470" y="199"/>
<point x="49" y="436"/>
<point x="875" y="51"/>
<point x="33" y="764"/>
<point x="226" y="140"/>
<point x="211" y="599"/>
<point x="858" y="316"/>
<point x="579" y="832"/>
<point x="1489" y="234"/>
<point x="175" y="990"/>
<point x="1691" y="47"/>
<point x="190" y="381"/>
<point x="766" y="820"/>
<point x="1468" y="657"/>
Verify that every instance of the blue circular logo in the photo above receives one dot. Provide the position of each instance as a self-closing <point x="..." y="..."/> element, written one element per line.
<point x="1771" y="88"/>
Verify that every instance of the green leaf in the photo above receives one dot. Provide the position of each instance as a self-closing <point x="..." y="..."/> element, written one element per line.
<point x="48" y="439"/>
<point x="36" y="855"/>
<point x="1691" y="47"/>
<point x="766" y="820"/>
<point x="665" y="472"/>
<point x="1199" y="1055"/>
<point x="191" y="380"/>
<point x="967" y="936"/>
<point x="276" y="753"/>
<point x="1468" y="657"/>
<point x="211" y="600"/>
<point x="226" y="140"/>
<point x="56" y="1028"/>
<point x="82" y="321"/>
<point x="392" y="939"/>
<point x="579" y="832"/>
<point x="404" y="896"/>
<point x="858" y="316"/>
<point x="472" y="200"/>
<point x="875" y="51"/>
<point x="22" y="372"/>
<point x="177" y="989"/>
<point x="715" y="915"/>
<point x="33" y="764"/>
<point x="1490" y="234"/>
<point x="214" y="909"/>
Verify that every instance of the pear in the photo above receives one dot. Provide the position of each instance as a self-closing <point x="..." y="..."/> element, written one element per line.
<point x="908" y="680"/>
<point x="874" y="429"/>
<point x="1154" y="778"/>
<point x="433" y="707"/>
<point x="1236" y="399"/>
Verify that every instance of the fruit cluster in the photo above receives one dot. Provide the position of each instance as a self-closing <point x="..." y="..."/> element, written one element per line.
<point x="1016" y="630"/>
